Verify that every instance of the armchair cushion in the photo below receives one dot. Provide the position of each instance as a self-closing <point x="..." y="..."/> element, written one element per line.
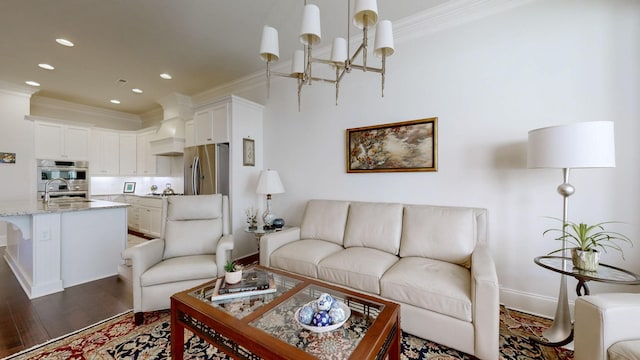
<point x="625" y="350"/>
<point x="180" y="269"/>
<point x="440" y="233"/>
<point x="193" y="225"/>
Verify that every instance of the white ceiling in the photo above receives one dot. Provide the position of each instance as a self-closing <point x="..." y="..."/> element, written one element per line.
<point x="201" y="43"/>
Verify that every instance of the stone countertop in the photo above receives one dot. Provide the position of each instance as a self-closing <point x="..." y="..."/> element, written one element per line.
<point x="34" y="207"/>
<point x="150" y="196"/>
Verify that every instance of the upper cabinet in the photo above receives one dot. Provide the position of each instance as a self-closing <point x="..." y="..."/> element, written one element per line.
<point x="61" y="142"/>
<point x="105" y="153"/>
<point x="128" y="150"/>
<point x="148" y="164"/>
<point x="211" y="125"/>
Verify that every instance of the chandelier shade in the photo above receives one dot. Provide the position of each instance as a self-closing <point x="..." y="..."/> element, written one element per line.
<point x="383" y="44"/>
<point x="365" y="13"/>
<point x="339" y="51"/>
<point x="297" y="64"/>
<point x="269" y="46"/>
<point x="310" y="33"/>
<point x="580" y="145"/>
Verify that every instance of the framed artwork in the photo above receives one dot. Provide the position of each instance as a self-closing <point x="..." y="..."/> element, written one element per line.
<point x="248" y="152"/>
<point x="7" y="158"/>
<point x="396" y="147"/>
<point x="129" y="187"/>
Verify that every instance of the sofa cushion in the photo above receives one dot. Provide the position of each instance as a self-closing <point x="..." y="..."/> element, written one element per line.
<point x="430" y="284"/>
<point x="356" y="267"/>
<point x="184" y="268"/>
<point x="625" y="350"/>
<point x="193" y="225"/>
<point x="325" y="220"/>
<point x="440" y="233"/>
<point x="374" y="225"/>
<point x="303" y="256"/>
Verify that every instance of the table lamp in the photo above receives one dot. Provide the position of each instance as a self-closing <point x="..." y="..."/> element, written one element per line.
<point x="580" y="145"/>
<point x="269" y="183"/>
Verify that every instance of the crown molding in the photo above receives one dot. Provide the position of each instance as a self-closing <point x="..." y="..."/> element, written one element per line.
<point x="19" y="90"/>
<point x="55" y="104"/>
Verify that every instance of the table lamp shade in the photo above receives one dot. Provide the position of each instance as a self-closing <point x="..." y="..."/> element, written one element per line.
<point x="580" y="145"/>
<point x="269" y="183"/>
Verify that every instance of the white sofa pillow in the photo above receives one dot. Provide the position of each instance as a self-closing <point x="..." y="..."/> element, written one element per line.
<point x="324" y="220"/>
<point x="442" y="233"/>
<point x="193" y="225"/>
<point x="374" y="225"/>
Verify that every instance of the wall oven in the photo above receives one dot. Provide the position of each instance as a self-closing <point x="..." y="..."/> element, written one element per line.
<point x="75" y="172"/>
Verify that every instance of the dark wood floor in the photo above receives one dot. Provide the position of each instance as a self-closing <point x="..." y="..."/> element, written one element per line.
<point x="25" y="323"/>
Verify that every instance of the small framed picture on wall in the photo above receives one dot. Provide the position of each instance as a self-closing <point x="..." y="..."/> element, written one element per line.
<point x="248" y="152"/>
<point x="129" y="187"/>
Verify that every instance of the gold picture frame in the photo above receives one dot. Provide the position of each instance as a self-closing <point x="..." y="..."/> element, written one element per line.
<point x="395" y="147"/>
<point x="248" y="152"/>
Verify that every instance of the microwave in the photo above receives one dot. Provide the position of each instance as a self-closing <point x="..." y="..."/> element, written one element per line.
<point x="75" y="172"/>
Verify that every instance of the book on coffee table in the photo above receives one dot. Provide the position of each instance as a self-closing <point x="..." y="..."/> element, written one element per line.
<point x="252" y="286"/>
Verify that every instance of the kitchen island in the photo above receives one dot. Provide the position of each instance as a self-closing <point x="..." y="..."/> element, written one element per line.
<point x="58" y="245"/>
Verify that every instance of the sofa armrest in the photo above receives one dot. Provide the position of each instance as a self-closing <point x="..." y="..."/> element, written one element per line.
<point x="485" y="293"/>
<point x="602" y="320"/>
<point x="223" y="252"/>
<point x="143" y="257"/>
<point x="272" y="241"/>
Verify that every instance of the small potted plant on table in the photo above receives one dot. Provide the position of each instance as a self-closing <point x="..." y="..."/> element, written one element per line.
<point x="587" y="240"/>
<point x="233" y="272"/>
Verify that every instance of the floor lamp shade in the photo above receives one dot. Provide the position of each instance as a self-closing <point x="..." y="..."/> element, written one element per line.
<point x="580" y="145"/>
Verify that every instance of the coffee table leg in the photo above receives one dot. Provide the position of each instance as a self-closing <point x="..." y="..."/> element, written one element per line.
<point x="177" y="337"/>
<point x="394" y="349"/>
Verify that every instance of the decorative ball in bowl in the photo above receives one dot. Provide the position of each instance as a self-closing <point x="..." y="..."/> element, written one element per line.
<point x="323" y="314"/>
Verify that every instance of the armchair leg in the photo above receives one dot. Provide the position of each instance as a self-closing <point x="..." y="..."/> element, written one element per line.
<point x="138" y="318"/>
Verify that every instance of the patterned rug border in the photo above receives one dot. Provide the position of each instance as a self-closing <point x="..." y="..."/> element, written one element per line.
<point x="117" y="337"/>
<point x="73" y="333"/>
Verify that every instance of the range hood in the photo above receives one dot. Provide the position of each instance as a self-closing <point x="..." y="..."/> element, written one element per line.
<point x="170" y="139"/>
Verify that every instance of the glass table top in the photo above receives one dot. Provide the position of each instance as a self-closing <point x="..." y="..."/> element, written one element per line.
<point x="605" y="273"/>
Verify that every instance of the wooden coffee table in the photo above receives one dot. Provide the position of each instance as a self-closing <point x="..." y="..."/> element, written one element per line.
<point x="263" y="326"/>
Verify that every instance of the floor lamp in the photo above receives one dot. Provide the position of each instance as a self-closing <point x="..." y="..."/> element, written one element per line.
<point x="566" y="147"/>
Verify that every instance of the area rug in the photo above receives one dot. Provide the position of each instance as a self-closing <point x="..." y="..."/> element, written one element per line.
<point x="119" y="338"/>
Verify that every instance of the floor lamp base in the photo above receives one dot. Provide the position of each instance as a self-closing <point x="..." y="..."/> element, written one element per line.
<point x="561" y="331"/>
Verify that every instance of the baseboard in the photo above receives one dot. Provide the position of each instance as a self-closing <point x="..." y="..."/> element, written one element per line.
<point x="535" y="304"/>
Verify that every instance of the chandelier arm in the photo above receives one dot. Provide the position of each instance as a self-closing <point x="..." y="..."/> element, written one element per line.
<point x="275" y="73"/>
<point x="308" y="67"/>
<point x="330" y="81"/>
<point x="384" y="65"/>
<point x="355" y="54"/>
<point x="337" y="83"/>
<point x="268" y="78"/>
<point x="372" y="69"/>
<point x="364" y="46"/>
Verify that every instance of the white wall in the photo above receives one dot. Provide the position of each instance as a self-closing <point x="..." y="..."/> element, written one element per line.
<point x="489" y="82"/>
<point x="17" y="181"/>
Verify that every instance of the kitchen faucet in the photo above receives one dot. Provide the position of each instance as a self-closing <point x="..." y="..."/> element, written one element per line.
<point x="46" y="188"/>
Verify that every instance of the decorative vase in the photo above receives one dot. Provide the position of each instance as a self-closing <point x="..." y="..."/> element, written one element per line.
<point x="585" y="260"/>
<point x="233" y="277"/>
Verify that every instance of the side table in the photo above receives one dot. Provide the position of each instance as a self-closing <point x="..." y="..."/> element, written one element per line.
<point x="259" y="231"/>
<point x="605" y="273"/>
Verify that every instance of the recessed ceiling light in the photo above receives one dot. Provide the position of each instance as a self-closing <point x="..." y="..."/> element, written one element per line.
<point x="65" y="42"/>
<point x="166" y="76"/>
<point x="137" y="91"/>
<point x="32" y="83"/>
<point x="46" y="66"/>
<point x="114" y="101"/>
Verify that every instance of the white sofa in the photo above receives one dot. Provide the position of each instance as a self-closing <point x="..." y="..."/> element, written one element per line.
<point x="607" y="327"/>
<point x="434" y="261"/>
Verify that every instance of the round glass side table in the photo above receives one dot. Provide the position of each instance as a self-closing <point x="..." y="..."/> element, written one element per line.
<point x="259" y="231"/>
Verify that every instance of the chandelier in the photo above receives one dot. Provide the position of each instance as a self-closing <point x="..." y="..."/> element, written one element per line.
<point x="365" y="16"/>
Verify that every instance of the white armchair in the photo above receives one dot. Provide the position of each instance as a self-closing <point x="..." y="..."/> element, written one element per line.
<point x="607" y="327"/>
<point x="194" y="247"/>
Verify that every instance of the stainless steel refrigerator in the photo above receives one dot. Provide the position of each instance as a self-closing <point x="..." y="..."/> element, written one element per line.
<point x="206" y="169"/>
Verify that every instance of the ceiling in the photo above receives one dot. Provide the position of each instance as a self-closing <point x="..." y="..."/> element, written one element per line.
<point x="125" y="44"/>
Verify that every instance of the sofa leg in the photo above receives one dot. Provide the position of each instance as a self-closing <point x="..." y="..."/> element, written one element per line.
<point x="138" y="318"/>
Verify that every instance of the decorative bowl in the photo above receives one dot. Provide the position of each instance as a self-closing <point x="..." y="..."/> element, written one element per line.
<point x="321" y="329"/>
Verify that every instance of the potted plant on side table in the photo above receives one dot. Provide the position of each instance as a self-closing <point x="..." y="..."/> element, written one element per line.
<point x="232" y="272"/>
<point x="587" y="240"/>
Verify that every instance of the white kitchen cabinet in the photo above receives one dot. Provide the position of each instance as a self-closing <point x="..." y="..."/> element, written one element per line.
<point x="128" y="159"/>
<point x="145" y="214"/>
<point x="211" y="126"/>
<point x="61" y="142"/>
<point x="104" y="156"/>
<point x="148" y="164"/>
<point x="189" y="134"/>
